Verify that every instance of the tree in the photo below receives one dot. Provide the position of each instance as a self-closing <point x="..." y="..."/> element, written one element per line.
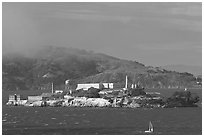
<point x="136" y="92"/>
<point x="182" y="99"/>
<point x="92" y="93"/>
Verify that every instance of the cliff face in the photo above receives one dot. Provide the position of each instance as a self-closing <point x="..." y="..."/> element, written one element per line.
<point x="57" y="64"/>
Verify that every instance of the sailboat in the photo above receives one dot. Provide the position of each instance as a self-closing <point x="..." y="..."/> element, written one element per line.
<point x="151" y="129"/>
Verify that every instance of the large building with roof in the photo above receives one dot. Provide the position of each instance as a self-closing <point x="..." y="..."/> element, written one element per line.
<point x="95" y="85"/>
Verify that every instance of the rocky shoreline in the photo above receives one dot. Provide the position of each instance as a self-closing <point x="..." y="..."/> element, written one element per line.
<point x="133" y="98"/>
<point x="129" y="102"/>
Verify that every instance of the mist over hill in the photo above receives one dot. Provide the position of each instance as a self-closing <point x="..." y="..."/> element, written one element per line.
<point x="57" y="64"/>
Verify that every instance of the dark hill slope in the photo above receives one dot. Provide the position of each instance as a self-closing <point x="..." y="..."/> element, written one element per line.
<point x="57" y="64"/>
<point x="196" y="70"/>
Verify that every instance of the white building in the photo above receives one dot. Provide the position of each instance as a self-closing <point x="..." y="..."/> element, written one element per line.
<point x="34" y="98"/>
<point x="14" y="97"/>
<point x="58" y="91"/>
<point x="94" y="85"/>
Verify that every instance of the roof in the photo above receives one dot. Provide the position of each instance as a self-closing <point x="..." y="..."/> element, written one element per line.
<point x="46" y="94"/>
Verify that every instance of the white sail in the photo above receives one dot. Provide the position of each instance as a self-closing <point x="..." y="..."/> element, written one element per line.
<point x="151" y="129"/>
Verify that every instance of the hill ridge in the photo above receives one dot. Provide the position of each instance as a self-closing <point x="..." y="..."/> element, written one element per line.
<point x="20" y="72"/>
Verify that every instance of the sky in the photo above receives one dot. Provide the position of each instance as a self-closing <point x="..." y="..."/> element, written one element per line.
<point x="155" y="34"/>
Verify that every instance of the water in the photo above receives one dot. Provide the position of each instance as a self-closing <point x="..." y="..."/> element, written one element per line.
<point x="103" y="121"/>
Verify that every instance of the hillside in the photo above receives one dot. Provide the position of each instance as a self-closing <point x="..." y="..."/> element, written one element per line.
<point x="57" y="64"/>
<point x="195" y="70"/>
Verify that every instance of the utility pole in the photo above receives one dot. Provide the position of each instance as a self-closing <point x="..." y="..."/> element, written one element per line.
<point x="126" y="82"/>
<point x="52" y="88"/>
<point x="134" y="82"/>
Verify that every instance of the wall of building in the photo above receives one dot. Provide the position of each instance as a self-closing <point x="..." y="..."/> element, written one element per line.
<point x="108" y="85"/>
<point x="14" y="97"/>
<point x="87" y="86"/>
<point x="94" y="85"/>
<point x="34" y="98"/>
